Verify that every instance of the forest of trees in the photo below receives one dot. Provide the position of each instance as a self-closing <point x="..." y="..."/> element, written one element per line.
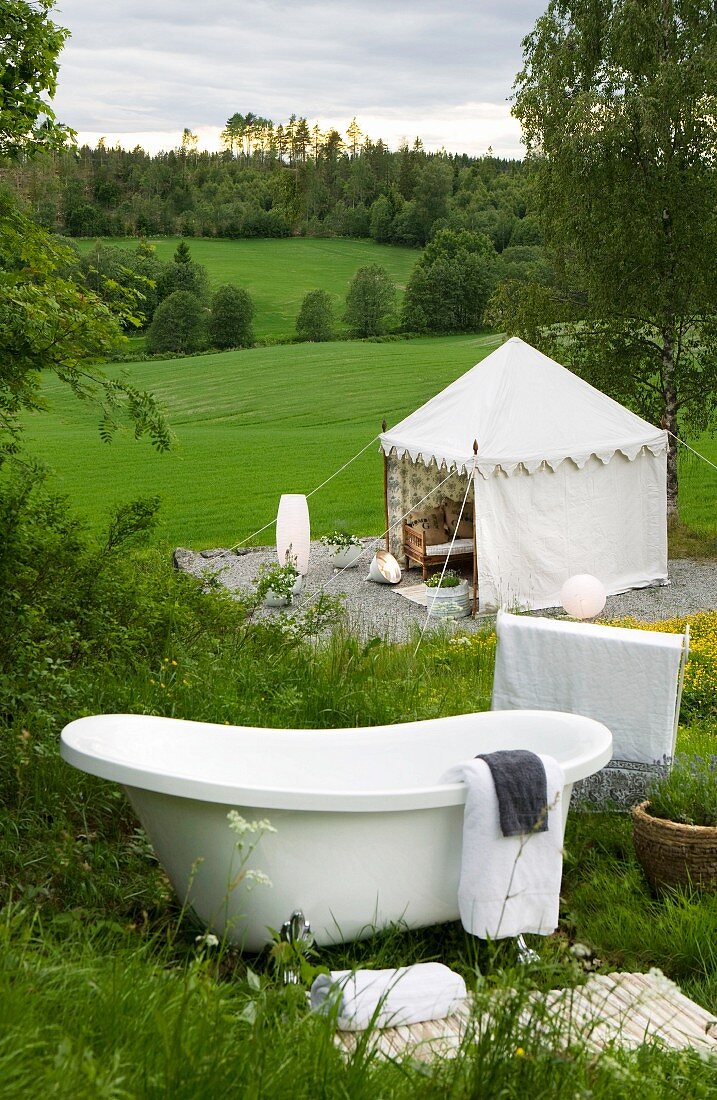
<point x="277" y="181"/>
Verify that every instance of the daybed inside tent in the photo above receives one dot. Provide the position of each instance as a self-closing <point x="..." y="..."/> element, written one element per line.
<point x="565" y="480"/>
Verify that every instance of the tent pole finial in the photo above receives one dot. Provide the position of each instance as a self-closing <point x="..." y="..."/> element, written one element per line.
<point x="475" y="446"/>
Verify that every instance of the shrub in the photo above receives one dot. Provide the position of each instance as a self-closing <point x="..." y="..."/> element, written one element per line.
<point x="370" y="301"/>
<point x="687" y="793"/>
<point x="316" y="317"/>
<point x="230" y="323"/>
<point x="183" y="275"/>
<point x="179" y="324"/>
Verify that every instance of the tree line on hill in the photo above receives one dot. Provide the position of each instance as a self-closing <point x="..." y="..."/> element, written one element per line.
<point x="448" y="291"/>
<point x="327" y="188"/>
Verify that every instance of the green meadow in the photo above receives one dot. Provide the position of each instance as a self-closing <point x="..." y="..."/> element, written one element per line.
<point x="249" y="426"/>
<point x="279" y="273"/>
<point x="253" y="424"/>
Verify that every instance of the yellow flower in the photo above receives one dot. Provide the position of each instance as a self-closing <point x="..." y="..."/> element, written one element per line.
<point x="519" y="1052"/>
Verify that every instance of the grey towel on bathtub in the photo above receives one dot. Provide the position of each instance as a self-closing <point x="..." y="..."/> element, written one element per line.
<point x="521" y="788"/>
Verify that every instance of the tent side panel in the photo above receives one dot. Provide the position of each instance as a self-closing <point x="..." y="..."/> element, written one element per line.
<point x="536" y="530"/>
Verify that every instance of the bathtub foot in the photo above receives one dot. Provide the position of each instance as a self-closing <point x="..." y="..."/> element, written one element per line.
<point x="295" y="931"/>
<point x="526" y="954"/>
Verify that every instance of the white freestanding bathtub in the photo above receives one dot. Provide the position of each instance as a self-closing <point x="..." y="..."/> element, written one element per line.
<point x="365" y="834"/>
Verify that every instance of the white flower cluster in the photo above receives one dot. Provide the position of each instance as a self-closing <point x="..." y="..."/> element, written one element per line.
<point x="242" y="827"/>
<point x="253" y="877"/>
<point x="660" y="981"/>
<point x="208" y="939"/>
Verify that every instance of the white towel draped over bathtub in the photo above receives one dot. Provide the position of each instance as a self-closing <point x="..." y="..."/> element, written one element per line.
<point x="389" y="998"/>
<point x="627" y="679"/>
<point x="508" y="884"/>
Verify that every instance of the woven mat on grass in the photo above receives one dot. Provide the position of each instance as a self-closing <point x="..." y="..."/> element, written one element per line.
<point x="624" y="1009"/>
<point x="416" y="593"/>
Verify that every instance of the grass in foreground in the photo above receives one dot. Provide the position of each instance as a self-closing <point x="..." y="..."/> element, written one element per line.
<point x="103" y="988"/>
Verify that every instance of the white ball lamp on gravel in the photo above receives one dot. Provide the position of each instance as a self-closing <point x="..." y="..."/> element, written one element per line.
<point x="583" y="596"/>
<point x="384" y="568"/>
<point x="293" y="533"/>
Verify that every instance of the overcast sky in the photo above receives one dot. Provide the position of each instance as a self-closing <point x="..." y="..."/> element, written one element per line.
<point x="139" y="72"/>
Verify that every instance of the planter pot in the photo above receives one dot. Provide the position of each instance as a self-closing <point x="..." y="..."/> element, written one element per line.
<point x="274" y="599"/>
<point x="448" y="603"/>
<point x="673" y="854"/>
<point x="346" y="559"/>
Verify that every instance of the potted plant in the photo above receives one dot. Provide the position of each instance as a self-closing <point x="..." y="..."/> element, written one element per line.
<point x="675" y="830"/>
<point x="278" y="584"/>
<point x="344" y="550"/>
<point x="447" y="596"/>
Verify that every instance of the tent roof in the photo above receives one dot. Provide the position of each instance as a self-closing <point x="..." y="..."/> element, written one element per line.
<point x="523" y="408"/>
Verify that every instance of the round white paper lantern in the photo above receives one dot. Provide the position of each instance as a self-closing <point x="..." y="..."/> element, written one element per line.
<point x="583" y="596"/>
<point x="293" y="531"/>
<point x="384" y="568"/>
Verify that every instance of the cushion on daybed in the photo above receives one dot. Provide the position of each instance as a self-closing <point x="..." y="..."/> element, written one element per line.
<point x="460" y="546"/>
<point x="432" y="521"/>
<point x="453" y="511"/>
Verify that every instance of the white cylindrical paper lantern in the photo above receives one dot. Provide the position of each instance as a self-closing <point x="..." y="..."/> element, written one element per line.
<point x="293" y="531"/>
<point x="583" y="596"/>
<point x="384" y="568"/>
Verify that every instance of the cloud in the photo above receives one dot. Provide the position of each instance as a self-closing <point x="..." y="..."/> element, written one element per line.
<point x="400" y="68"/>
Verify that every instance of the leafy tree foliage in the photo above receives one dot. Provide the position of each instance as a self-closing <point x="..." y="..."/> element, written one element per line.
<point x="370" y="301"/>
<point x="617" y="103"/>
<point x="451" y="283"/>
<point x="316" y="317"/>
<point x="270" y="183"/>
<point x="49" y="322"/>
<point x="232" y="313"/>
<point x="185" y="275"/>
<point x="30" y="44"/>
<point x="179" y="325"/>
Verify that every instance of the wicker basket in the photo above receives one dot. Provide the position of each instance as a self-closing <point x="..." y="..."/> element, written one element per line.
<point x="673" y="854"/>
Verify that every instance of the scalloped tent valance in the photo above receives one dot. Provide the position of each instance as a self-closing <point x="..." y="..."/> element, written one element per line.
<point x="578" y="508"/>
<point x="524" y="410"/>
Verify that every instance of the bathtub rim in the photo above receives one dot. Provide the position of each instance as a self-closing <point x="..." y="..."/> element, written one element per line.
<point x="75" y="750"/>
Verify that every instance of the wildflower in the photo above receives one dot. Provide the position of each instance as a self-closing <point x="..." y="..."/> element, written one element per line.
<point x="255" y="877"/>
<point x="174" y="663"/>
<point x="208" y="939"/>
<point x="152" y="681"/>
<point x="519" y="1052"/>
<point x="660" y="981"/>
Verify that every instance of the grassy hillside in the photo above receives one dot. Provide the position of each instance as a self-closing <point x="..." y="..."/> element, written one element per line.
<point x="252" y="425"/>
<point x="279" y="273"/>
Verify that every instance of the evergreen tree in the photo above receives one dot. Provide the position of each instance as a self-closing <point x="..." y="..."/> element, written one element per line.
<point x="316" y="317"/>
<point x="183" y="275"/>
<point x="232" y="313"/>
<point x="182" y="255"/>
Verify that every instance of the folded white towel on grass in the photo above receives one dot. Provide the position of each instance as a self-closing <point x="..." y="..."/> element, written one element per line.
<point x="389" y="998"/>
<point x="508" y="884"/>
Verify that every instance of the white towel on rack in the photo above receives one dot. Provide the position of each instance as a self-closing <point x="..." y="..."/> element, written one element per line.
<point x="389" y="998"/>
<point x="508" y="884"/>
<point x="626" y="679"/>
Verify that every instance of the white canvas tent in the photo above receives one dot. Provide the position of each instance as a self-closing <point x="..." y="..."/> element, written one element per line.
<point x="565" y="479"/>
